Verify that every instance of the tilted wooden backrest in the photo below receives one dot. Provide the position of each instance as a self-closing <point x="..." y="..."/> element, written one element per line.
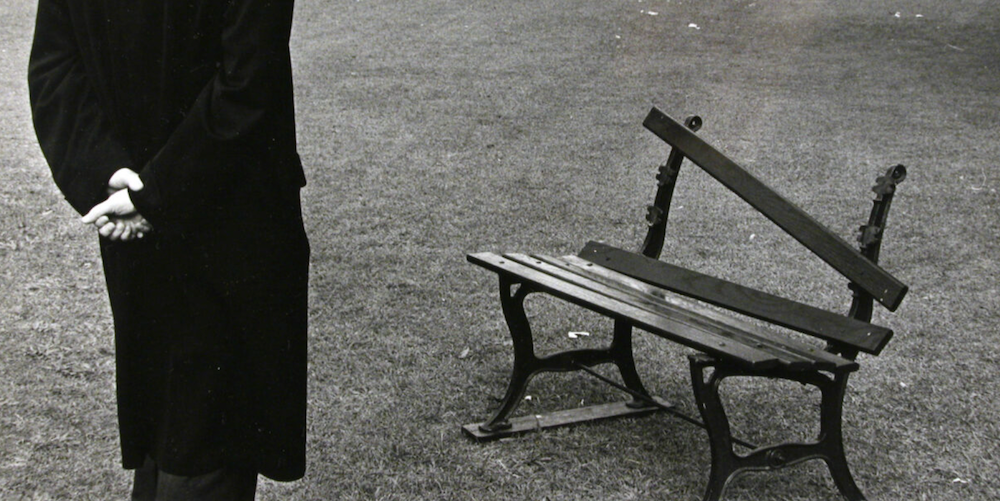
<point x="862" y="270"/>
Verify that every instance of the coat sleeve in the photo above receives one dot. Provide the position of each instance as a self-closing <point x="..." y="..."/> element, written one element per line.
<point x="75" y="135"/>
<point x="227" y="119"/>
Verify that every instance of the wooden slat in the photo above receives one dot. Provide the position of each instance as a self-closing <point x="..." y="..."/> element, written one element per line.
<point x="643" y="319"/>
<point x="679" y="315"/>
<point x="841" y="255"/>
<point x="562" y="418"/>
<point x="751" y="332"/>
<point x="768" y="307"/>
<point x="790" y="359"/>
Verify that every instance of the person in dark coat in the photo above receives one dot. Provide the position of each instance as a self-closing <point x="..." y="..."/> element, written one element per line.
<point x="170" y="125"/>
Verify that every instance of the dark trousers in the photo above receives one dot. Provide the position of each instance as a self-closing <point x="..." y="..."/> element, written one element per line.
<point x="226" y="484"/>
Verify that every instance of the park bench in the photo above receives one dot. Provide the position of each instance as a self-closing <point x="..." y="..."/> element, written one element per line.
<point x="638" y="290"/>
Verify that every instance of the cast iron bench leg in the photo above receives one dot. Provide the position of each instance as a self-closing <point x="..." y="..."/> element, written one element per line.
<point x="831" y="432"/>
<point x="706" y="393"/>
<point x="527" y="364"/>
<point x="525" y="361"/>
<point x="621" y="350"/>
<point x="726" y="464"/>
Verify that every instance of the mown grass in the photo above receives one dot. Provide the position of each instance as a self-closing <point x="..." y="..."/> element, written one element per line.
<point x="431" y="129"/>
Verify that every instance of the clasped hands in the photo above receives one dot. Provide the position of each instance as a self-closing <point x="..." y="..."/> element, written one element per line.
<point x="117" y="218"/>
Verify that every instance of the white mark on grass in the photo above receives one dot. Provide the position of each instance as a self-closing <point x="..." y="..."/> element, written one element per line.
<point x="464" y="354"/>
<point x="694" y="26"/>
<point x="577" y="334"/>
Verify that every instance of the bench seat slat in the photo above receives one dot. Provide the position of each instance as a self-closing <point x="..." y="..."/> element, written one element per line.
<point x="788" y="358"/>
<point x="790" y="355"/>
<point x="662" y="326"/>
<point x="761" y="305"/>
<point x="751" y="332"/>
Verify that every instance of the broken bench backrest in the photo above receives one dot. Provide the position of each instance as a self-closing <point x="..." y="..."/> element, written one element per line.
<point x="839" y="254"/>
<point x="868" y="280"/>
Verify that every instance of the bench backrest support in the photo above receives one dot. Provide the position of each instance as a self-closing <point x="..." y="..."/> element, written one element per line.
<point x="658" y="213"/>
<point x="870" y="235"/>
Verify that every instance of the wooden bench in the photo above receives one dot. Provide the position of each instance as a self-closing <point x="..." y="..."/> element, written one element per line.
<point x="637" y="290"/>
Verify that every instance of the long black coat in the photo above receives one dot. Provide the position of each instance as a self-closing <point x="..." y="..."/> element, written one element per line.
<point x="210" y="307"/>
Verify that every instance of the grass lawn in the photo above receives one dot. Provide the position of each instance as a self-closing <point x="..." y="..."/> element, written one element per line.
<point x="435" y="128"/>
